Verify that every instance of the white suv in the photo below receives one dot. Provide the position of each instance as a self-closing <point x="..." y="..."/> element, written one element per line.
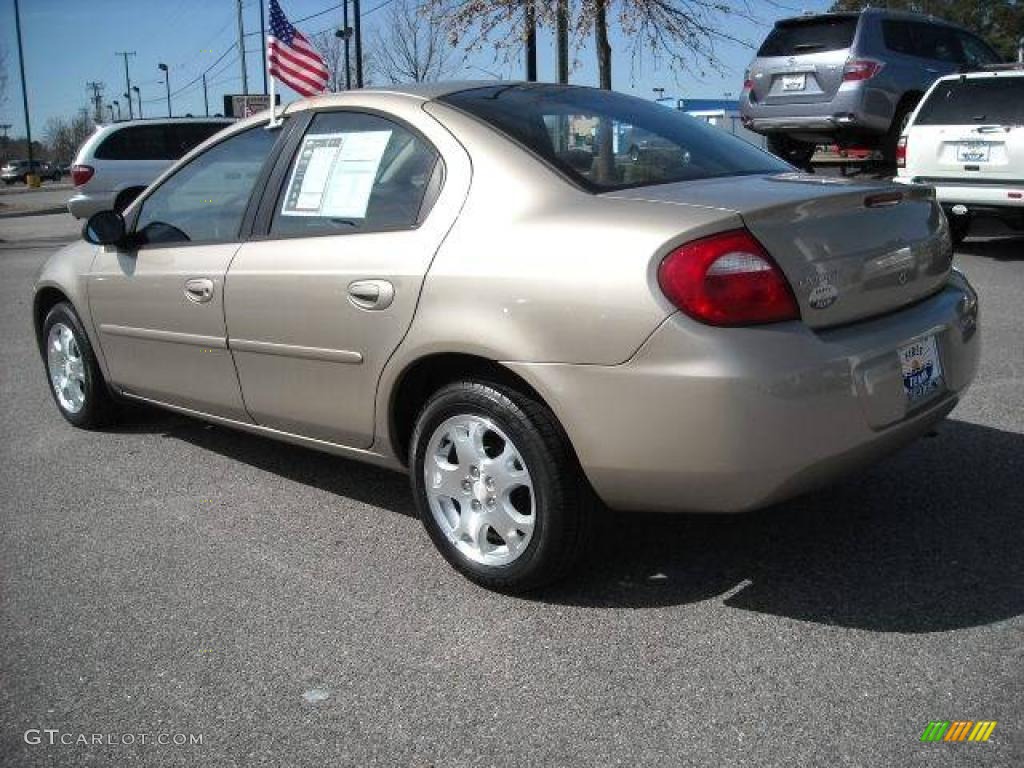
<point x="966" y="139"/>
<point x="119" y="160"/>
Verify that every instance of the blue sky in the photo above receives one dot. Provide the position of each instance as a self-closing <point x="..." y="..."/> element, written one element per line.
<point x="69" y="42"/>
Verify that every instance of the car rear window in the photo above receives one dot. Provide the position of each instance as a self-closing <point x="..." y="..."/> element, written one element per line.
<point x="155" y="142"/>
<point x="815" y="35"/>
<point x="983" y="101"/>
<point x="605" y="141"/>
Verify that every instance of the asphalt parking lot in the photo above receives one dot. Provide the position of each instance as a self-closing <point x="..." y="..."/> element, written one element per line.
<point x="169" y="577"/>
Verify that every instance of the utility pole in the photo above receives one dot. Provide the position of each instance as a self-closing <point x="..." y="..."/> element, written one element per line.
<point x="206" y="96"/>
<point x="345" y="33"/>
<point x="531" y="40"/>
<point x="263" y="44"/>
<point x="96" y="99"/>
<point x="562" y="34"/>
<point x="358" y="24"/>
<point x="241" y="49"/>
<point x="138" y="93"/>
<point x="24" y="90"/>
<point x="127" y="80"/>
<point x="167" y="79"/>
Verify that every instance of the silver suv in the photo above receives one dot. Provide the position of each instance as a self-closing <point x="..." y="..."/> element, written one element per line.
<point x="850" y="78"/>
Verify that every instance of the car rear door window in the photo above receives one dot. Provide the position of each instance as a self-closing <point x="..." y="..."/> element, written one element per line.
<point x="975" y="101"/>
<point x="204" y="200"/>
<point x="182" y="138"/>
<point x="936" y="42"/>
<point x="138" y="142"/>
<point x="814" y="35"/>
<point x="355" y="172"/>
<point x="898" y="37"/>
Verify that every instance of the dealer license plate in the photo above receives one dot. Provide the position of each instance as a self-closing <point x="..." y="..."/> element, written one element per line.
<point x="922" y="369"/>
<point x="973" y="152"/>
<point x="794" y="82"/>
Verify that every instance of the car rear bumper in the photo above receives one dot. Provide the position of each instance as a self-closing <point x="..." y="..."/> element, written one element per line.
<point x="82" y="206"/>
<point x="726" y="420"/>
<point x="853" y="111"/>
<point x="972" y="193"/>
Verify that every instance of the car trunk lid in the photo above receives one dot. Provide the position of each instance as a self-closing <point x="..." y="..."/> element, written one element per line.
<point x="849" y="250"/>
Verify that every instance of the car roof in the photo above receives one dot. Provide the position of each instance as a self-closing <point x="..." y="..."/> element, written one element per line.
<point x="117" y="126"/>
<point x="984" y="74"/>
<point x="889" y="13"/>
<point x="422" y="91"/>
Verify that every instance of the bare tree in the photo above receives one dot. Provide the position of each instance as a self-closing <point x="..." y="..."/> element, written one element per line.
<point x="411" y="46"/>
<point x="687" y="33"/>
<point x="65" y="135"/>
<point x="332" y="49"/>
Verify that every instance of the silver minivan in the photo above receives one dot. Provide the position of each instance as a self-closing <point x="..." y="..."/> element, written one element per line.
<point x="119" y="160"/>
<point x="850" y="78"/>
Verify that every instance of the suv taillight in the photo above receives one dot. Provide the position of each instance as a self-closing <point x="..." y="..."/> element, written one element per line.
<point x="861" y="69"/>
<point x="727" y="279"/>
<point x="901" y="152"/>
<point x="748" y="82"/>
<point x="80" y="174"/>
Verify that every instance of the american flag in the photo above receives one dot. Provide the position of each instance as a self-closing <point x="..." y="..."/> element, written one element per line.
<point x="293" y="60"/>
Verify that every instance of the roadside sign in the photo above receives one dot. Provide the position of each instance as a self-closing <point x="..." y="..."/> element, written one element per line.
<point x="240" y="105"/>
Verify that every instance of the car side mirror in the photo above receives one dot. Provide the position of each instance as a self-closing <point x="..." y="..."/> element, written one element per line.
<point x="104" y="228"/>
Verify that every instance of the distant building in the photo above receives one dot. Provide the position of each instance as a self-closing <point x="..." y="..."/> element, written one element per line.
<point x="721" y="113"/>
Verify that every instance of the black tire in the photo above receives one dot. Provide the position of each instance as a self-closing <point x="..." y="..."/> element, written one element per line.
<point x="899" y="124"/>
<point x="798" y="153"/>
<point x="98" y="408"/>
<point x="959" y="227"/>
<point x="564" y="504"/>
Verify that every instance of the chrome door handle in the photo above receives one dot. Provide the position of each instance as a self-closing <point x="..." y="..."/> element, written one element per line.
<point x="199" y="290"/>
<point x="371" y="294"/>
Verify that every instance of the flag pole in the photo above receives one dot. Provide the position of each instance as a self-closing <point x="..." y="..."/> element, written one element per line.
<point x="272" y="81"/>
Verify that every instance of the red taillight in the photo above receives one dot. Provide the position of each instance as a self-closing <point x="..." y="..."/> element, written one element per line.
<point x="727" y="279"/>
<point x="901" y="152"/>
<point x="80" y="174"/>
<point x="748" y="83"/>
<point x="861" y="69"/>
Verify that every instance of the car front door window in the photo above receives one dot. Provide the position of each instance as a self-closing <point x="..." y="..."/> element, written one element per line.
<point x="205" y="200"/>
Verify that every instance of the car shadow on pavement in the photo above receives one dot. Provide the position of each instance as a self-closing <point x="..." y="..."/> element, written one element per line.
<point x="1003" y="248"/>
<point x="352" y="479"/>
<point x="931" y="539"/>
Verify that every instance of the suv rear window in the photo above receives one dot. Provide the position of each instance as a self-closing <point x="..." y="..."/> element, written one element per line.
<point x="605" y="141"/>
<point x="155" y="142"/>
<point x="982" y="101"/>
<point x="814" y="35"/>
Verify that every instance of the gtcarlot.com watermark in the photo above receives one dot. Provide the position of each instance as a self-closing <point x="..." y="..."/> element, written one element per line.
<point x="55" y="737"/>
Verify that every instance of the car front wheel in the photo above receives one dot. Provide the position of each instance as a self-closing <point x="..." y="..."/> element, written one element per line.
<point x="498" y="487"/>
<point x="959" y="227"/>
<point x="76" y="381"/>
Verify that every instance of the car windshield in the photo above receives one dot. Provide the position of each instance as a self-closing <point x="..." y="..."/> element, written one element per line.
<point x="814" y="35"/>
<point x="987" y="101"/>
<point x="605" y="141"/>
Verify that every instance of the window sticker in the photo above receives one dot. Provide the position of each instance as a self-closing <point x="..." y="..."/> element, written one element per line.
<point x="334" y="173"/>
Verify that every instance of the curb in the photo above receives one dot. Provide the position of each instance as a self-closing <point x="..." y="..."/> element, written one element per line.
<point x="38" y="212"/>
